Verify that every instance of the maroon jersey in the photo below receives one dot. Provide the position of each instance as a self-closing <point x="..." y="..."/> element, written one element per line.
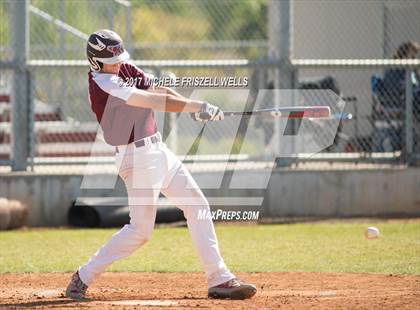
<point x="108" y="93"/>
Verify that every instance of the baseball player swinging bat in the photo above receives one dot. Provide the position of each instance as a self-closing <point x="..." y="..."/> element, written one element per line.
<point x="124" y="101"/>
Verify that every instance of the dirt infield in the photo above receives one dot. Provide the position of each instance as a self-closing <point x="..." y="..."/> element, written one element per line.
<point x="186" y="290"/>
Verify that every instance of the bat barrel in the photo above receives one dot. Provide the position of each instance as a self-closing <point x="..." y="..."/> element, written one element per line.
<point x="295" y="113"/>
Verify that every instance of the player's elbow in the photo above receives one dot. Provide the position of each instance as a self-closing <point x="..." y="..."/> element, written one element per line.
<point x="149" y="100"/>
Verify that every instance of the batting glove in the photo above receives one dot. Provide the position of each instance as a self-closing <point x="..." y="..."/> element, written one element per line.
<point x="208" y="112"/>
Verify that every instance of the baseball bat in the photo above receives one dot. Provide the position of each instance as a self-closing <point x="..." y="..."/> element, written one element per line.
<point x="298" y="112"/>
<point x="317" y="112"/>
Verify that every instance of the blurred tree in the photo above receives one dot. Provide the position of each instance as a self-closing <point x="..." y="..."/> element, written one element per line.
<point x="4" y="25"/>
<point x="156" y="25"/>
<point x="237" y="19"/>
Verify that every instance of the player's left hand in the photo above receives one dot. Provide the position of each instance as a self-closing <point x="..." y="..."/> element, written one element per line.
<point x="208" y="112"/>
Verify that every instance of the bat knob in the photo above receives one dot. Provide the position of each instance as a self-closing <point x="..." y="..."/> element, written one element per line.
<point x="205" y="116"/>
<point x="201" y="116"/>
<point x="275" y="113"/>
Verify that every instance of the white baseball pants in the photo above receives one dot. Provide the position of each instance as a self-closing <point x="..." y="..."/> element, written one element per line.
<point x="147" y="171"/>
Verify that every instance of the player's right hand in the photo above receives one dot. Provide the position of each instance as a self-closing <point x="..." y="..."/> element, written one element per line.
<point x="208" y="112"/>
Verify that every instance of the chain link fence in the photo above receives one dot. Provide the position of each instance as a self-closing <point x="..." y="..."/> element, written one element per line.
<point x="331" y="42"/>
<point x="152" y="29"/>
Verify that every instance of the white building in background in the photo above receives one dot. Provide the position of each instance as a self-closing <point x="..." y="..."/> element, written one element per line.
<point x="352" y="29"/>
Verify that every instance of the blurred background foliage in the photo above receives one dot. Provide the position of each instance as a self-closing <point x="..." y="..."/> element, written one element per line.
<point x="157" y="27"/>
<point x="4" y="29"/>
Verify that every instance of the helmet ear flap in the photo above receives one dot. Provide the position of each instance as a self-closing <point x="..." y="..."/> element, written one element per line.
<point x="95" y="65"/>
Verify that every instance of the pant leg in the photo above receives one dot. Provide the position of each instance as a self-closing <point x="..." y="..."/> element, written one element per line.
<point x="181" y="189"/>
<point x="143" y="186"/>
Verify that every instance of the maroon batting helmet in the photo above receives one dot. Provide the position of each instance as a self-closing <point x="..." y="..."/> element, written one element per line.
<point x="105" y="46"/>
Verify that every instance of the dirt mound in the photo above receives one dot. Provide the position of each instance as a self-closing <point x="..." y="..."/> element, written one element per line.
<point x="188" y="290"/>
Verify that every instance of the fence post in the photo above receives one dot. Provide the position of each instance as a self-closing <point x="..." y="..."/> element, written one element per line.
<point x="20" y="92"/>
<point x="385" y="39"/>
<point x="128" y="32"/>
<point x="31" y="119"/>
<point x="110" y="8"/>
<point x="280" y="49"/>
<point x="408" y="115"/>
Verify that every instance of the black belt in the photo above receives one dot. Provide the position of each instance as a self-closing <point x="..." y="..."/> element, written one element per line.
<point x="142" y="142"/>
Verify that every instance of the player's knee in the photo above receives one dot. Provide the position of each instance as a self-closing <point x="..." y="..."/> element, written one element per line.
<point x="142" y="234"/>
<point x="142" y="222"/>
<point x="143" y="237"/>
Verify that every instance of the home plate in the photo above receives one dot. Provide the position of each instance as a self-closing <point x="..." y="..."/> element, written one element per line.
<point x="158" y="303"/>
<point x="327" y="293"/>
<point x="48" y="293"/>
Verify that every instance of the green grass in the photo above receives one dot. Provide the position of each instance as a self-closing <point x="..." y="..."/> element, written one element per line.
<point x="326" y="247"/>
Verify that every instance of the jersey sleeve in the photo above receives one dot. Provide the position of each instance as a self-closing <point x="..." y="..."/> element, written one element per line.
<point x="115" y="86"/>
